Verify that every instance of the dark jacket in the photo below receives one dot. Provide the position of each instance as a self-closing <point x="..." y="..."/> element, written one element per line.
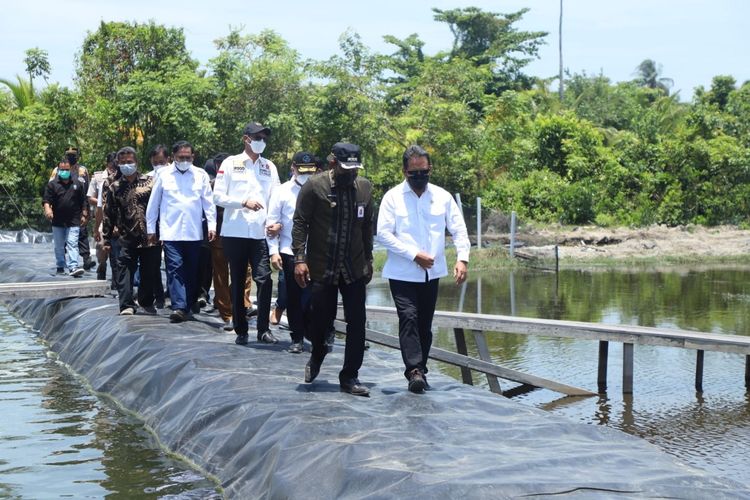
<point x="68" y="201"/>
<point x="332" y="229"/>
<point x="125" y="209"/>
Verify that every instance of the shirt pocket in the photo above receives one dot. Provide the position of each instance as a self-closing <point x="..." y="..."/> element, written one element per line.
<point x="435" y="216"/>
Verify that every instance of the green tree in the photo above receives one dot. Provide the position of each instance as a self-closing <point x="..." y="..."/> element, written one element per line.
<point x="22" y="92"/>
<point x="648" y="74"/>
<point x="37" y="64"/>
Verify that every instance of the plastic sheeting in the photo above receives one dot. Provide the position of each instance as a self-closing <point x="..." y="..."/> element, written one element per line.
<point x="244" y="415"/>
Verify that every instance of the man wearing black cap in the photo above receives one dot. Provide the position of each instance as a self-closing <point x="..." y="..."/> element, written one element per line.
<point x="332" y="245"/>
<point x="280" y="223"/>
<point x="243" y="186"/>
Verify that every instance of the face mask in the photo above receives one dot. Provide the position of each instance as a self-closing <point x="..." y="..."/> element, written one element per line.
<point x="72" y="159"/>
<point x="302" y="178"/>
<point x="157" y="167"/>
<point x="419" y="180"/>
<point x="128" y="169"/>
<point x="346" y="178"/>
<point x="63" y="174"/>
<point x="257" y="147"/>
<point x="182" y="166"/>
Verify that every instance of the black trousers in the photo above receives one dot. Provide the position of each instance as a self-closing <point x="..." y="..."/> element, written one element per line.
<point x="129" y="260"/>
<point x="415" y="305"/>
<point x="323" y="306"/>
<point x="205" y="271"/>
<point x="238" y="252"/>
<point x="297" y="300"/>
<point x="83" y="244"/>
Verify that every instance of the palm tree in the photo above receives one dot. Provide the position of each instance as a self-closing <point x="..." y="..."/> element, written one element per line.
<point x="648" y="74"/>
<point x="23" y="92"/>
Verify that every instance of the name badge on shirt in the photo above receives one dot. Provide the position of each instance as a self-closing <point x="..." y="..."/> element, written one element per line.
<point x="360" y="211"/>
<point x="264" y="170"/>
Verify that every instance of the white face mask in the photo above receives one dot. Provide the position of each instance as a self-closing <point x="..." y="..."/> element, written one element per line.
<point x="182" y="166"/>
<point x="257" y="147"/>
<point x="302" y="178"/>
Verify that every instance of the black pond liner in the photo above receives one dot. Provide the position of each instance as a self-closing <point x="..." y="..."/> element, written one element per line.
<point x="244" y="415"/>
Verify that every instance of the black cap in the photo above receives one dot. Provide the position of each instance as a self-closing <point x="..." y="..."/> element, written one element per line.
<point x="253" y="128"/>
<point x="348" y="154"/>
<point x="304" y="162"/>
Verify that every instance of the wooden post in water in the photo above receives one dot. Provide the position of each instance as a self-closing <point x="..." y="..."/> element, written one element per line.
<point x="627" y="368"/>
<point x="479" y="222"/>
<point x="512" y="233"/>
<point x="458" y="333"/>
<point x="482" y="347"/>
<point x="747" y="371"/>
<point x="699" y="370"/>
<point x="601" y="379"/>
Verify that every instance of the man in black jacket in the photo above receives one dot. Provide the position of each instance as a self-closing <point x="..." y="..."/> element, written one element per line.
<point x="66" y="207"/>
<point x="332" y="245"/>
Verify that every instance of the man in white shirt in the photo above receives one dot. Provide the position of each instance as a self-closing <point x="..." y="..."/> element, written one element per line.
<point x="243" y="186"/>
<point x="412" y="221"/>
<point x="280" y="222"/>
<point x="179" y="198"/>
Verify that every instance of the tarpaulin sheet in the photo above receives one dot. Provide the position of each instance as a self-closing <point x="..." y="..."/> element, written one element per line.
<point x="244" y="415"/>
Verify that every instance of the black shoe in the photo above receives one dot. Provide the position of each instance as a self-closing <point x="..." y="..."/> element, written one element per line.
<point x="296" y="348"/>
<point x="195" y="308"/>
<point x="177" y="316"/>
<point x="253" y="311"/>
<point x="312" y="368"/>
<point x="427" y="386"/>
<point x="101" y="277"/>
<point x="149" y="309"/>
<point x="201" y="302"/>
<point x="159" y="304"/>
<point x="267" y="337"/>
<point x="352" y="386"/>
<point x="60" y="270"/>
<point x="242" y="339"/>
<point x="416" y="381"/>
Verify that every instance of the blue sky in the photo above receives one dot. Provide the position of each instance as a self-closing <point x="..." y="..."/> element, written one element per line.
<point x="693" y="40"/>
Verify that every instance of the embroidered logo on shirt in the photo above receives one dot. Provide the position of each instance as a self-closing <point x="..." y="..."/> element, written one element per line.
<point x="360" y="211"/>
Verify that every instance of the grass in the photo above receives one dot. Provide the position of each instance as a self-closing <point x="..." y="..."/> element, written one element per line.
<point x="485" y="259"/>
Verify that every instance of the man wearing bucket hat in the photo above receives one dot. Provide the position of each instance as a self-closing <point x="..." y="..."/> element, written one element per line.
<point x="332" y="245"/>
<point x="280" y="223"/>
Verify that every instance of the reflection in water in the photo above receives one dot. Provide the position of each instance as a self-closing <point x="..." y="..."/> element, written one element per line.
<point x="709" y="430"/>
<point x="56" y="439"/>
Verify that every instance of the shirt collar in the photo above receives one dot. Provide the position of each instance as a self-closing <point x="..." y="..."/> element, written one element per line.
<point x="246" y="157"/>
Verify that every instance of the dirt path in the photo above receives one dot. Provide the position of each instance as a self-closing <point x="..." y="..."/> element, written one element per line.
<point x="586" y="242"/>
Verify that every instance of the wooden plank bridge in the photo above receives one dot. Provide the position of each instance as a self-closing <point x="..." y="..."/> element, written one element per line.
<point x="628" y="335"/>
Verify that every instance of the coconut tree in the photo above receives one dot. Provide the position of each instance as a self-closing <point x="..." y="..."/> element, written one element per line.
<point x="22" y="92"/>
<point x="648" y="74"/>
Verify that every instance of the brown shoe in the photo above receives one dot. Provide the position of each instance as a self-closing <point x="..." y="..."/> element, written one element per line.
<point x="275" y="316"/>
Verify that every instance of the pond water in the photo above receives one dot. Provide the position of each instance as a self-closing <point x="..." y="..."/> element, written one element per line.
<point x="710" y="430"/>
<point x="57" y="440"/>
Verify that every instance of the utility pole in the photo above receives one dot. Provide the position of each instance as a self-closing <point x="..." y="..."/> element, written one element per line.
<point x="560" y="47"/>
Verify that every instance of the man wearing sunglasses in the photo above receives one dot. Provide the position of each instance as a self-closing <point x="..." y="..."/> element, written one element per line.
<point x="412" y="221"/>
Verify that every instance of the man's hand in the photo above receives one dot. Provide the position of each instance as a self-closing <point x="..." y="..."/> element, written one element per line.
<point x="97" y="235"/>
<point x="460" y="272"/>
<point x="106" y="247"/>
<point x="276" y="261"/>
<point x="368" y="275"/>
<point x="84" y="219"/>
<point x="152" y="240"/>
<point x="301" y="274"/>
<point x="211" y="235"/>
<point x="424" y="260"/>
<point x="272" y="230"/>
<point x="48" y="214"/>
<point x="253" y="205"/>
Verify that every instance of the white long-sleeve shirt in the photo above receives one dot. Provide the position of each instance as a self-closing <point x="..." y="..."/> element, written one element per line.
<point x="409" y="224"/>
<point x="239" y="178"/>
<point x="178" y="201"/>
<point x="281" y="210"/>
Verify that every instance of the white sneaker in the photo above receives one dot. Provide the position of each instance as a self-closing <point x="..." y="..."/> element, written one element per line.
<point x="128" y="311"/>
<point x="228" y="325"/>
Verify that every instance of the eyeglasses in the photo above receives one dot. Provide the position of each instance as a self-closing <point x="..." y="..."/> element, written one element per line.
<point x="418" y="173"/>
<point x="184" y="158"/>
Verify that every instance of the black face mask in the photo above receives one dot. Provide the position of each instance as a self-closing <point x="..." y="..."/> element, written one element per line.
<point x="346" y="178"/>
<point x="418" y="180"/>
<point x="72" y="159"/>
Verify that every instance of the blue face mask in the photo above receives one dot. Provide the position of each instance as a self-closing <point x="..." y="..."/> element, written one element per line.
<point x="128" y="169"/>
<point x="63" y="174"/>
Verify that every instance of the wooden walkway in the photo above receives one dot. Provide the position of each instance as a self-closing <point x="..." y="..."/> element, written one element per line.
<point x="628" y="335"/>
<point x="53" y="289"/>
